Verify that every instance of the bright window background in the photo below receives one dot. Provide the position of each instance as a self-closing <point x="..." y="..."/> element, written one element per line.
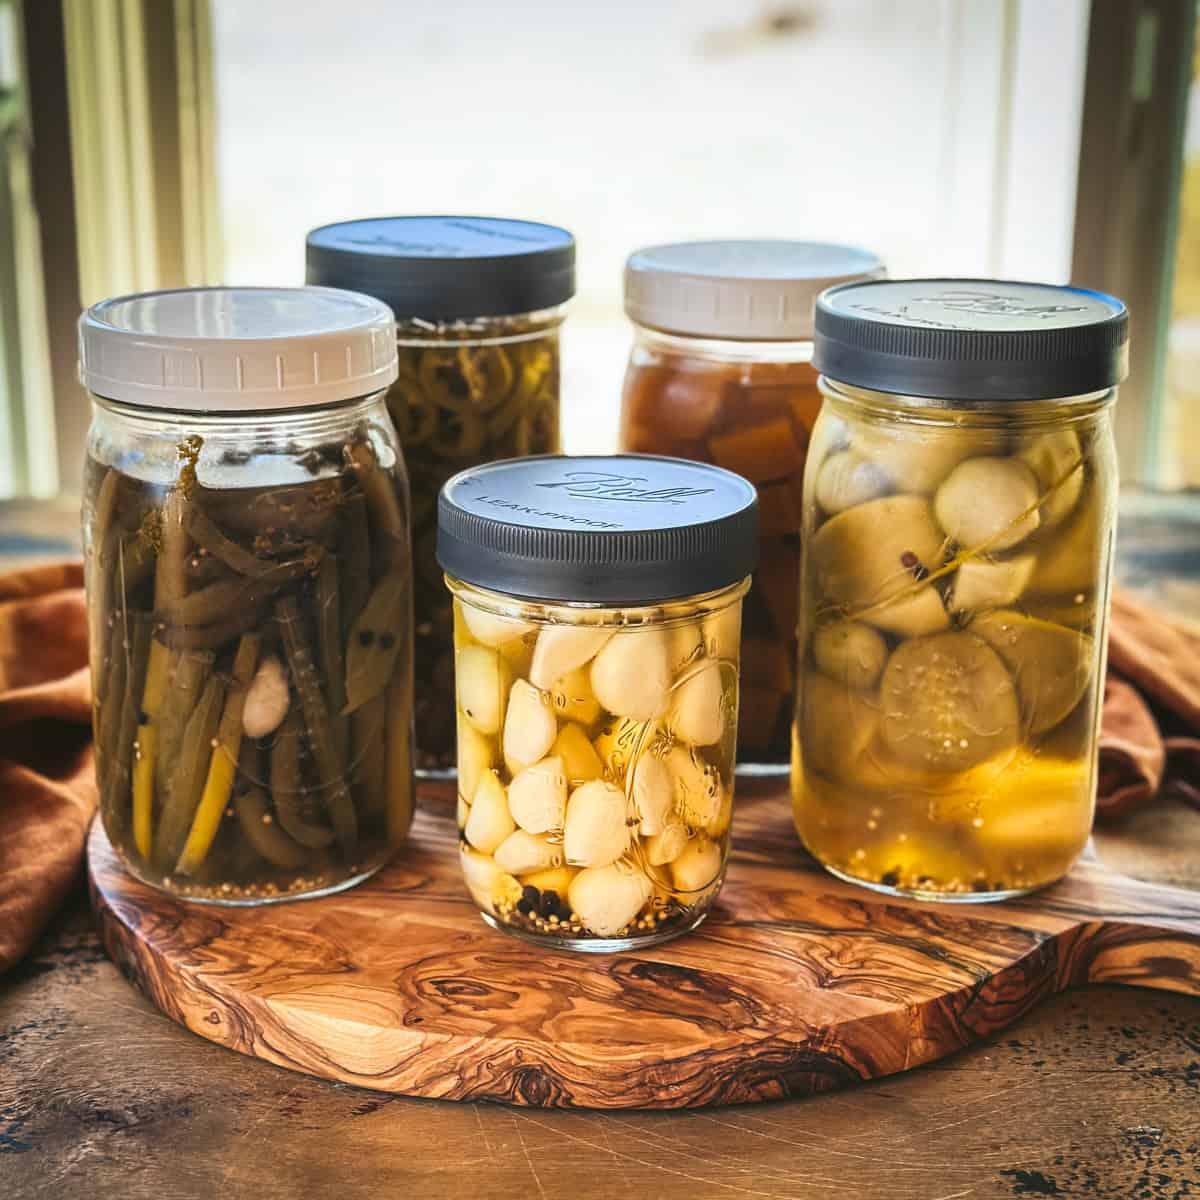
<point x="637" y="121"/>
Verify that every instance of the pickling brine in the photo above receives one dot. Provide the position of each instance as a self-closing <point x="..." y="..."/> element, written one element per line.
<point x="953" y="610"/>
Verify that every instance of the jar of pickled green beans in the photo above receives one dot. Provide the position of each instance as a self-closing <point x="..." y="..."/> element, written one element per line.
<point x="478" y="303"/>
<point x="246" y="535"/>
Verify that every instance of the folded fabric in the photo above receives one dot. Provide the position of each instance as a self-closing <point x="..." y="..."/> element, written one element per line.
<point x="47" y="790"/>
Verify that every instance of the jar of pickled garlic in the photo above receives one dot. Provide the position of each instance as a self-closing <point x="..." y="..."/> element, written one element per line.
<point x="958" y="530"/>
<point x="478" y="303"/>
<point x="597" y="608"/>
<point x="245" y="525"/>
<point x="721" y="372"/>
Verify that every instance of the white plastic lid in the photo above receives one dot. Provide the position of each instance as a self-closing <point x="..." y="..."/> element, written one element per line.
<point x="227" y="349"/>
<point x="756" y="290"/>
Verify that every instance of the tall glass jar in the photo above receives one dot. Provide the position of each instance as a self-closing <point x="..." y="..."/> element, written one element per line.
<point x="721" y="372"/>
<point x="245" y="523"/>
<point x="478" y="302"/>
<point x="597" y="608"/>
<point x="959" y="513"/>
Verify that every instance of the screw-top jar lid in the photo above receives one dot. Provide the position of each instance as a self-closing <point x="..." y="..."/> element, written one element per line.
<point x="447" y="268"/>
<point x="750" y="290"/>
<point x="622" y="529"/>
<point x="237" y="349"/>
<point x="972" y="339"/>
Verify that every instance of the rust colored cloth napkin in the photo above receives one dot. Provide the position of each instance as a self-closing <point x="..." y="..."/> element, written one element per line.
<point x="1150" y="739"/>
<point x="47" y="793"/>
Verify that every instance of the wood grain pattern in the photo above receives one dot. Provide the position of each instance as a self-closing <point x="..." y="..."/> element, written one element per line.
<point x="796" y="983"/>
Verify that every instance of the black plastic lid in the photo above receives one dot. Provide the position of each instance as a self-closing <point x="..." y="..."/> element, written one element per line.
<point x="971" y="339"/>
<point x="622" y="529"/>
<point x="446" y="268"/>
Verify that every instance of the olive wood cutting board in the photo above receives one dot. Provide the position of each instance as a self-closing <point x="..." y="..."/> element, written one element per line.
<point x="796" y="983"/>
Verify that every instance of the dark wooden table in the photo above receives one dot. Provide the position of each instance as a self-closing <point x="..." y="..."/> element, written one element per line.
<point x="1096" y="1093"/>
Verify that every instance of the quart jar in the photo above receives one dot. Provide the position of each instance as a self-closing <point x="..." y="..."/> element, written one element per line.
<point x="958" y="529"/>
<point x="721" y="371"/>
<point x="249" y="589"/>
<point x="478" y="303"/>
<point x="597" y="605"/>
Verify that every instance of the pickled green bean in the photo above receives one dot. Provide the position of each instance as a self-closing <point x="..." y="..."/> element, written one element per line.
<point x="208" y="536"/>
<point x="135" y="680"/>
<point x="329" y="648"/>
<point x="387" y="517"/>
<point x="354" y="560"/>
<point x="330" y="766"/>
<point x="187" y="685"/>
<point x="292" y="802"/>
<point x="367" y="727"/>
<point x="263" y="833"/>
<point x="172" y="558"/>
<point x="215" y="601"/>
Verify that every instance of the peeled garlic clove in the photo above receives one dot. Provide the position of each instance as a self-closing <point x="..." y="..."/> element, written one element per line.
<point x="563" y="648"/>
<point x="573" y="698"/>
<point x="911" y="614"/>
<point x="267" y="700"/>
<point x="476" y="754"/>
<point x="718" y="825"/>
<point x="869" y="553"/>
<point x="518" y="653"/>
<point x="697" y="867"/>
<point x="529" y="727"/>
<point x="948" y="702"/>
<point x="462" y="810"/>
<point x="653" y="792"/>
<point x="1052" y="665"/>
<point x="723" y="633"/>
<point x="686" y="645"/>
<point x="596" y="832"/>
<point x="697" y="713"/>
<point x="488" y="822"/>
<point x="1056" y="459"/>
<point x="488" y="883"/>
<point x="697" y="788"/>
<point x="850" y="652"/>
<point x="537" y="797"/>
<point x="837" y="724"/>
<point x="916" y="466"/>
<point x="579" y="758"/>
<point x="846" y="479"/>
<point x="522" y="852"/>
<point x="632" y="674"/>
<point x="990" y="583"/>
<point x="621" y="742"/>
<point x="667" y="844"/>
<point x="551" y="879"/>
<point x="1069" y="562"/>
<point x="483" y="679"/>
<point x="607" y="899"/>
<point x="988" y="503"/>
<point x="491" y="629"/>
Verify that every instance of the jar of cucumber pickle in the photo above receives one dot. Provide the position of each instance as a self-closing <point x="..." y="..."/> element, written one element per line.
<point x="478" y="303"/>
<point x="249" y="587"/>
<point x="597" y="605"/>
<point x="721" y="372"/>
<point x="958" y="529"/>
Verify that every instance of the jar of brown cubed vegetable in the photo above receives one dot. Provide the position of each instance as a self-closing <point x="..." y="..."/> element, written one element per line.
<point x="958" y="529"/>
<point x="478" y="303"/>
<point x="721" y="372"/>
<point x="249" y="583"/>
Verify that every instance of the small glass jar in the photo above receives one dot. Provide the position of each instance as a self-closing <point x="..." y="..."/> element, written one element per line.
<point x="478" y="302"/>
<point x="249" y="589"/>
<point x="721" y="372"/>
<point x="597" y="608"/>
<point x="958" y="526"/>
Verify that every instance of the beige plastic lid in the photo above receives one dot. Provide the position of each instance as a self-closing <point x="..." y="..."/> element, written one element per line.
<point x="224" y="349"/>
<point x="751" y="290"/>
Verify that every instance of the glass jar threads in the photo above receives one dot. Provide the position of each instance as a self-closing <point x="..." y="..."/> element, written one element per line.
<point x="597" y="605"/>
<point x="958" y="524"/>
<point x="249" y="588"/>
<point x="721" y="371"/>
<point x="478" y="304"/>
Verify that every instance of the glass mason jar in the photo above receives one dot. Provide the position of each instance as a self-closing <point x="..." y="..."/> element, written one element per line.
<point x="249" y="590"/>
<point x="479" y="303"/>
<point x="597" y="607"/>
<point x="721" y="372"/>
<point x="959" y="514"/>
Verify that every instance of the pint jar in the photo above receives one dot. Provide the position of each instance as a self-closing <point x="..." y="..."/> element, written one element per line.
<point x="479" y="303"/>
<point x="721" y="372"/>
<point x="597" y="605"/>
<point x="958" y="529"/>
<point x="248" y="584"/>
